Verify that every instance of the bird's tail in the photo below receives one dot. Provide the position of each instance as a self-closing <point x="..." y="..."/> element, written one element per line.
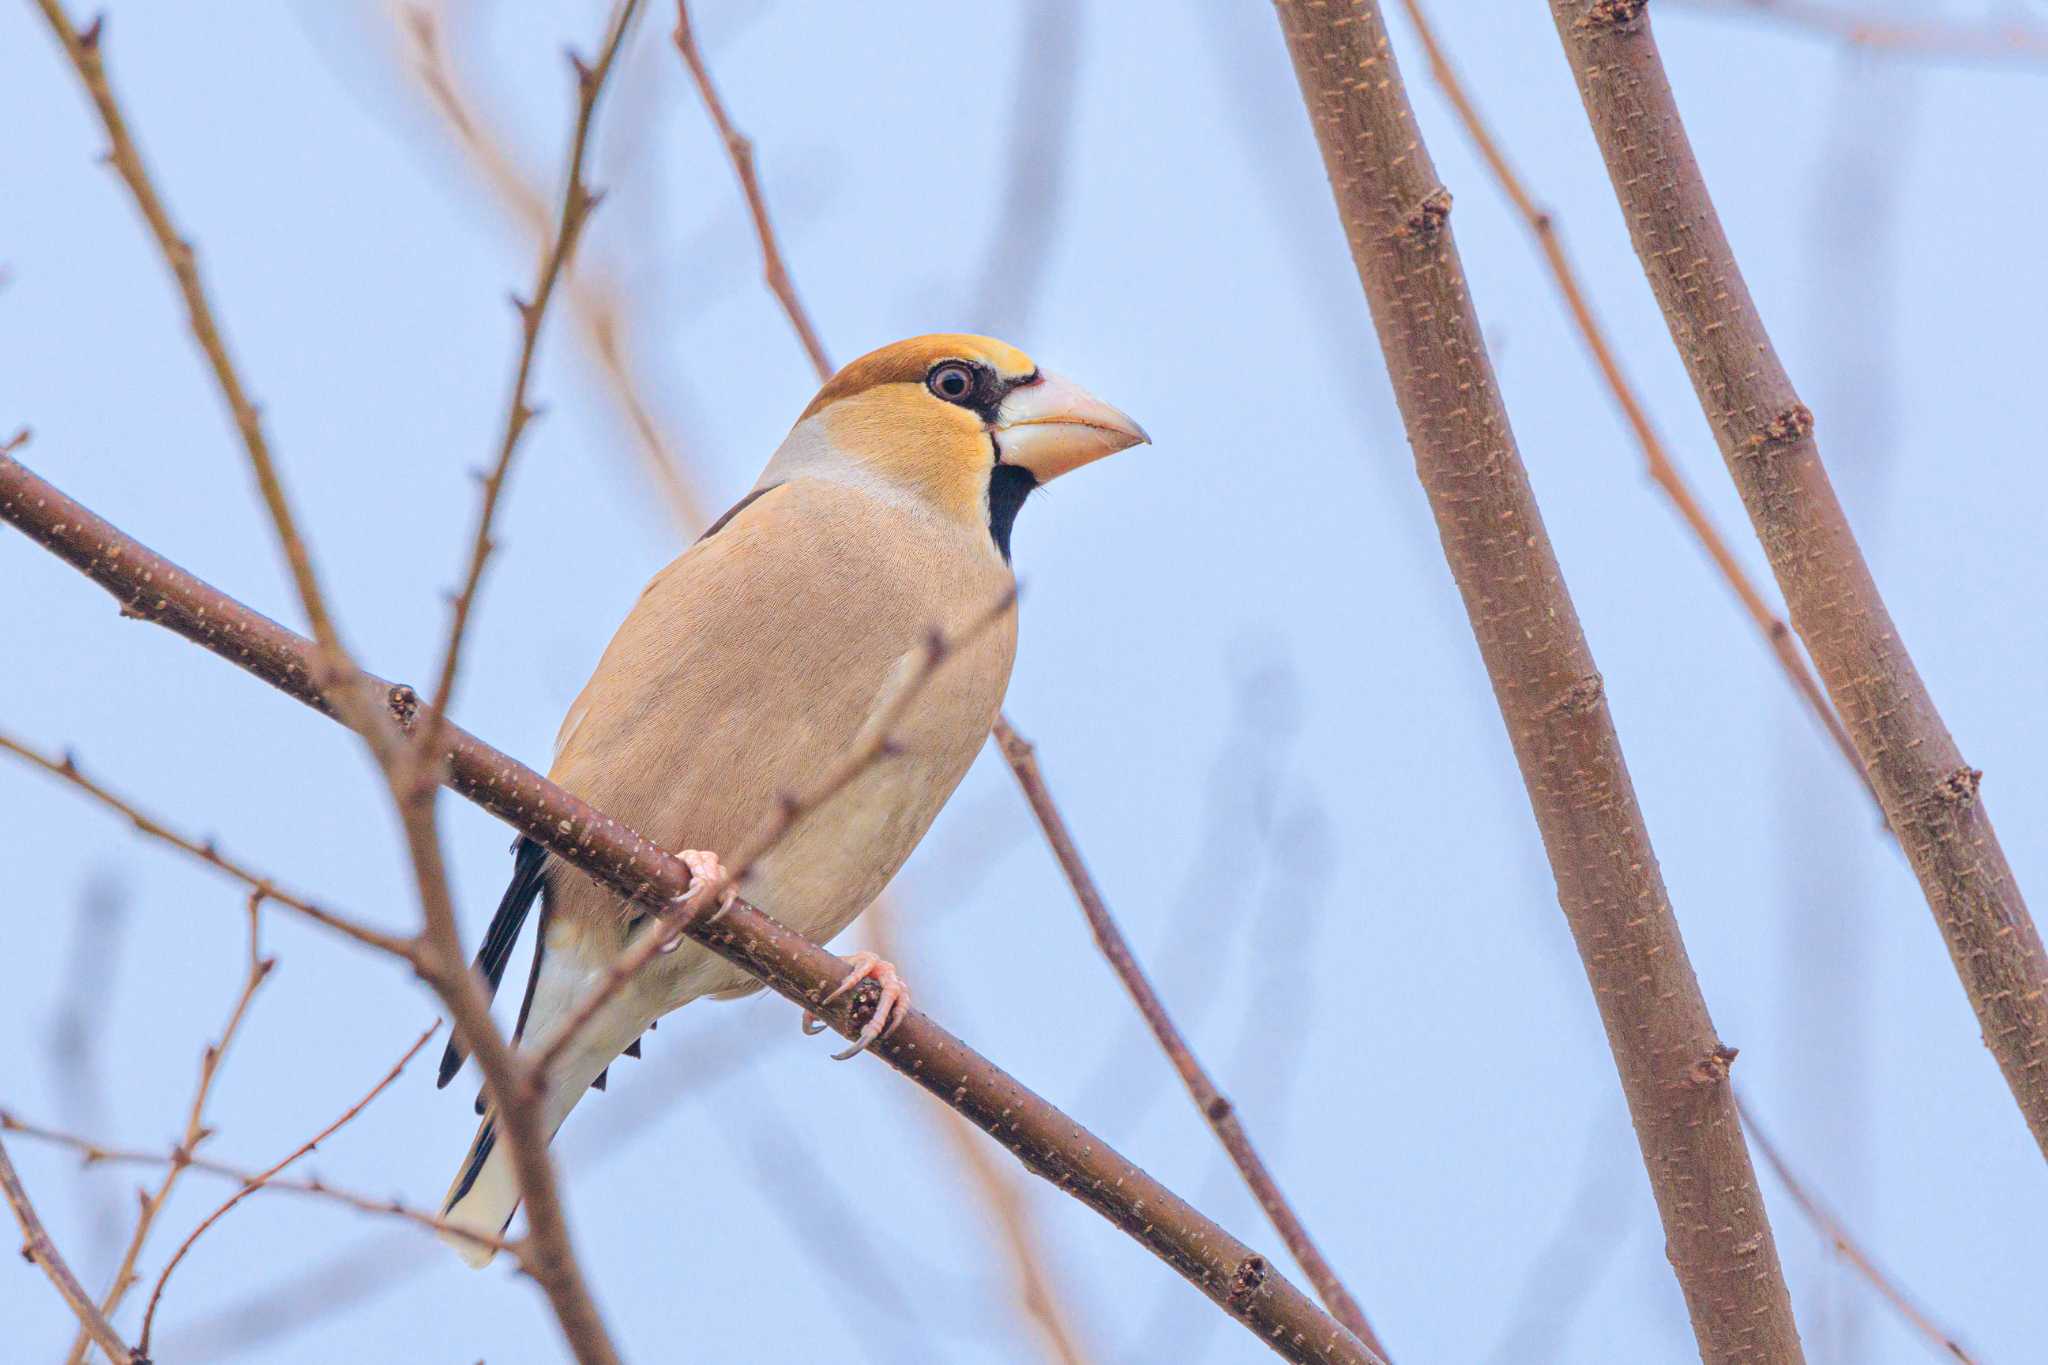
<point x="485" y="1192"/>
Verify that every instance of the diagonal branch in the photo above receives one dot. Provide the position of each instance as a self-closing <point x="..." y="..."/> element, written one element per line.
<point x="1017" y="753"/>
<point x="741" y="151"/>
<point x="268" y="1174"/>
<point x="262" y="887"/>
<point x="1045" y="1140"/>
<point x="196" y="1132"/>
<point x="1928" y="792"/>
<point x="36" y="1246"/>
<point x="1542" y="223"/>
<point x="341" y="690"/>
<point x="577" y="202"/>
<point x="82" y="46"/>
<point x="1220" y="1113"/>
<point x="1672" y="1065"/>
<point x="1838" y="1237"/>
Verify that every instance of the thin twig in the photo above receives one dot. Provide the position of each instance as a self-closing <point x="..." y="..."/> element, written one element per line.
<point x="82" y="46"/>
<point x="790" y="807"/>
<point x="1934" y="40"/>
<point x="741" y="152"/>
<point x="1328" y="1286"/>
<point x="594" y="297"/>
<point x="1830" y="1227"/>
<point x="1542" y="223"/>
<point x="163" y="1278"/>
<point x="37" y="1247"/>
<point x="1036" y="1293"/>
<point x="196" y="1132"/>
<point x="1049" y="1142"/>
<point x="577" y="202"/>
<point x="208" y="852"/>
<point x="1209" y="1101"/>
<point x="98" y="1154"/>
<point x="339" y="688"/>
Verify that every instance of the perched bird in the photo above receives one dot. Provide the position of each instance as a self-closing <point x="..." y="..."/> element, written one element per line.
<point x="757" y="660"/>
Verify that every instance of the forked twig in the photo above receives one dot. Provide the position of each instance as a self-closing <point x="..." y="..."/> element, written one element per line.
<point x="37" y="1247"/>
<point x="196" y="1132"/>
<point x="264" y="1177"/>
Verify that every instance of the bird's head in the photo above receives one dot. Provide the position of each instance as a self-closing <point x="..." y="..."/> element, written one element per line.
<point x="967" y="423"/>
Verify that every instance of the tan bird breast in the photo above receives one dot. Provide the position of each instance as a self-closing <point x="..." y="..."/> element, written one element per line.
<point x="748" y="668"/>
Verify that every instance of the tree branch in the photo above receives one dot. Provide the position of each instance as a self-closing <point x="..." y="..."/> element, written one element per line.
<point x="1017" y="753"/>
<point x="1542" y="223"/>
<point x="1220" y="1113"/>
<point x="1048" y="1142"/>
<point x="1828" y="1226"/>
<point x="741" y="150"/>
<point x="37" y="1247"/>
<point x="265" y="1176"/>
<point x="1928" y="792"/>
<point x="1674" y="1070"/>
<point x="577" y="202"/>
<point x="196" y="1132"/>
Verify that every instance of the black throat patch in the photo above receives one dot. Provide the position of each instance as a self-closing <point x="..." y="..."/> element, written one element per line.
<point x="1008" y="486"/>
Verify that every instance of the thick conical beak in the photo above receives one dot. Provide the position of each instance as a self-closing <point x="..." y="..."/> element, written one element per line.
<point x="1052" y="425"/>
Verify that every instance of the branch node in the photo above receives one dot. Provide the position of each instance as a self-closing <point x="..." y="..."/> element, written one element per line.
<point x="89" y="36"/>
<point x="1713" y="1068"/>
<point x="1789" y="427"/>
<point x="1959" y="788"/>
<point x="1218" y="1109"/>
<point x="1246" y="1279"/>
<point x="404" y="705"/>
<point x="1582" y="696"/>
<point x="1425" y="223"/>
<point x="1619" y="15"/>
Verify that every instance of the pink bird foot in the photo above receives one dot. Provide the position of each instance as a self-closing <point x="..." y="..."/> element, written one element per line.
<point x="707" y="876"/>
<point x="889" y="1010"/>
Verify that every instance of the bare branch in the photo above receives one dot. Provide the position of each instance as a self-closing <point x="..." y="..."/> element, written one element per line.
<point x="742" y="153"/>
<point x="207" y="851"/>
<point x="1543" y="224"/>
<point x="1830" y="1227"/>
<point x="1047" y="1141"/>
<point x="196" y="1132"/>
<point x="1209" y="1101"/>
<point x="1673" y="1067"/>
<point x="265" y="1176"/>
<point x="577" y="202"/>
<point x="594" y="297"/>
<point x="83" y="47"/>
<point x="37" y="1247"/>
<point x="94" y="1154"/>
<point x="1929" y="794"/>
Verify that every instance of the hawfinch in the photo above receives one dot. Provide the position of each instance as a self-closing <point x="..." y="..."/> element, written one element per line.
<point x="759" y="658"/>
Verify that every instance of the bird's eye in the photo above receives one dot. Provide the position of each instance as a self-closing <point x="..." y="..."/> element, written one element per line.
<point x="952" y="381"/>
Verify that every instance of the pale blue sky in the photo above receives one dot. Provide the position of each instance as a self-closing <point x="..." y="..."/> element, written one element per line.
<point x="1240" y="649"/>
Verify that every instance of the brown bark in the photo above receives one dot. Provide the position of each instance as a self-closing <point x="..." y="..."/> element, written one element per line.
<point x="1048" y="1142"/>
<point x="1765" y="433"/>
<point x="1674" y="1070"/>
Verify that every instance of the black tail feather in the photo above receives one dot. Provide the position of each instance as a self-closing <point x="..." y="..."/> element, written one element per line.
<point x="529" y="865"/>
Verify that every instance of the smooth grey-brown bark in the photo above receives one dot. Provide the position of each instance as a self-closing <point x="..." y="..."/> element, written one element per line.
<point x="1928" y="792"/>
<point x="1674" y="1070"/>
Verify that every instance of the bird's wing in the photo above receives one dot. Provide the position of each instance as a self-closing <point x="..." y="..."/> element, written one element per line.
<point x="529" y="863"/>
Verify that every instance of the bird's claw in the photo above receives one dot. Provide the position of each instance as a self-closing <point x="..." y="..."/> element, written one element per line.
<point x="889" y="1009"/>
<point x="707" y="877"/>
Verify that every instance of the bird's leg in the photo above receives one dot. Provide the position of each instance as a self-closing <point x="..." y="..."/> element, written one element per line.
<point x="889" y="1009"/>
<point x="707" y="877"/>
